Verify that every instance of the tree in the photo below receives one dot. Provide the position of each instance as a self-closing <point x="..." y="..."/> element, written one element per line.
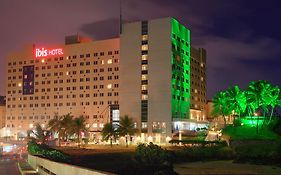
<point x="221" y="105"/>
<point x="126" y="127"/>
<point x="274" y="100"/>
<point x="109" y="132"/>
<point x="66" y="126"/>
<point x="78" y="126"/>
<point x="61" y="125"/>
<point x="257" y="93"/>
<point x="39" y="134"/>
<point x="237" y="99"/>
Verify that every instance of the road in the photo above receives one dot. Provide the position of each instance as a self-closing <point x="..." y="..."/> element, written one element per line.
<point x="8" y="160"/>
<point x="8" y="165"/>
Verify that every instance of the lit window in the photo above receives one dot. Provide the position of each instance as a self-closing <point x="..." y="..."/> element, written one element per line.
<point x="101" y="125"/>
<point x="95" y="125"/>
<point x="144" y="57"/>
<point x="102" y="61"/>
<point x="143" y="87"/>
<point x="144" y="67"/>
<point x="109" y="61"/>
<point x="195" y="90"/>
<point x="109" y="86"/>
<point x="143" y="77"/>
<point x="67" y="73"/>
<point x="31" y="125"/>
<point x="144" y="37"/>
<point x="19" y="84"/>
<point x="202" y="65"/>
<point x="115" y="115"/>
<point x="144" y="97"/>
<point x="43" y="60"/>
<point x="144" y="47"/>
<point x="143" y="124"/>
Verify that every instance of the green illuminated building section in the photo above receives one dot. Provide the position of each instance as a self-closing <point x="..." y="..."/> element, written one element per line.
<point x="180" y="37"/>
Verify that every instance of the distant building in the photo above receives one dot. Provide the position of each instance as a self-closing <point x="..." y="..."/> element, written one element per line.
<point x="150" y="73"/>
<point x="2" y="111"/>
<point x="209" y="110"/>
<point x="198" y="84"/>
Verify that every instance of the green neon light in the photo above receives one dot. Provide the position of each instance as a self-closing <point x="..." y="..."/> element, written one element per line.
<point x="252" y="121"/>
<point x="180" y="59"/>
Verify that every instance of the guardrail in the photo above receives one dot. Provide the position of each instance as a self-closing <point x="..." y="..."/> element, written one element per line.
<point x="25" y="168"/>
<point x="48" y="167"/>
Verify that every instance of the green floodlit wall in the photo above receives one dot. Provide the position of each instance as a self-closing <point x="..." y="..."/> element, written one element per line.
<point x="180" y="37"/>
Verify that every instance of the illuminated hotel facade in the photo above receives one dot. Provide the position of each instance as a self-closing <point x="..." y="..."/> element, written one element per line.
<point x="145" y="74"/>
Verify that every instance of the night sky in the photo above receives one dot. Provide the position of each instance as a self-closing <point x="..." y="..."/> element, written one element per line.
<point x="242" y="37"/>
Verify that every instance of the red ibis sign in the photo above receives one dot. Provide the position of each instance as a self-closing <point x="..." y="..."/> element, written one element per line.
<point x="42" y="52"/>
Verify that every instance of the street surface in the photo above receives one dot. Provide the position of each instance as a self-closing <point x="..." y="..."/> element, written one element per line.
<point x="9" y="159"/>
<point x="8" y="165"/>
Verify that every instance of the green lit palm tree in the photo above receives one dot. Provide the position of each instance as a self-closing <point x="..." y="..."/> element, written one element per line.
<point x="221" y="106"/>
<point x="257" y="93"/>
<point x="109" y="132"/>
<point x="274" y="100"/>
<point x="39" y="134"/>
<point x="126" y="127"/>
<point x="78" y="126"/>
<point x="237" y="99"/>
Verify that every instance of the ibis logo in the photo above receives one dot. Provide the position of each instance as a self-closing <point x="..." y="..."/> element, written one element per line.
<point x="42" y="52"/>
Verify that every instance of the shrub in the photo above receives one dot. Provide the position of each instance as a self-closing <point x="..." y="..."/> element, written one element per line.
<point x="47" y="152"/>
<point x="154" y="159"/>
<point x="261" y="153"/>
<point x="203" y="153"/>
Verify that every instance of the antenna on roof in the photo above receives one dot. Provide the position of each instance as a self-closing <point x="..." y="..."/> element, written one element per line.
<point x="120" y="17"/>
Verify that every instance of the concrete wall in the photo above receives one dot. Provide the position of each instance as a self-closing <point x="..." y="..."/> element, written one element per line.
<point x="130" y="72"/>
<point x="159" y="73"/>
<point x="45" y="165"/>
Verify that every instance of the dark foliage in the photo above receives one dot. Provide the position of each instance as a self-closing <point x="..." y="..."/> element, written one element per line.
<point x="153" y="159"/>
<point x="46" y="152"/>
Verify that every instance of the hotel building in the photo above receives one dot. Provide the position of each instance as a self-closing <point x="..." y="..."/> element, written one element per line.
<point x="147" y="74"/>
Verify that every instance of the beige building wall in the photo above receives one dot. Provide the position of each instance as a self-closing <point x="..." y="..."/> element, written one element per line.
<point x="159" y="75"/>
<point x="130" y="72"/>
<point x="82" y="81"/>
<point x="198" y="83"/>
<point x="159" y="67"/>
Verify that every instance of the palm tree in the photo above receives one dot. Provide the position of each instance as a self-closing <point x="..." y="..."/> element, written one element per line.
<point x="221" y="105"/>
<point x="237" y="98"/>
<point x="66" y="126"/>
<point x="78" y="126"/>
<point x="256" y="96"/>
<point x="39" y="134"/>
<point x="126" y="127"/>
<point x="109" y="132"/>
<point x="54" y="126"/>
<point x="274" y="100"/>
<point x="61" y="125"/>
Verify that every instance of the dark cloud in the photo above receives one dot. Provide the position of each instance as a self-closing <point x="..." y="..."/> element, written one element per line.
<point x="108" y="28"/>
